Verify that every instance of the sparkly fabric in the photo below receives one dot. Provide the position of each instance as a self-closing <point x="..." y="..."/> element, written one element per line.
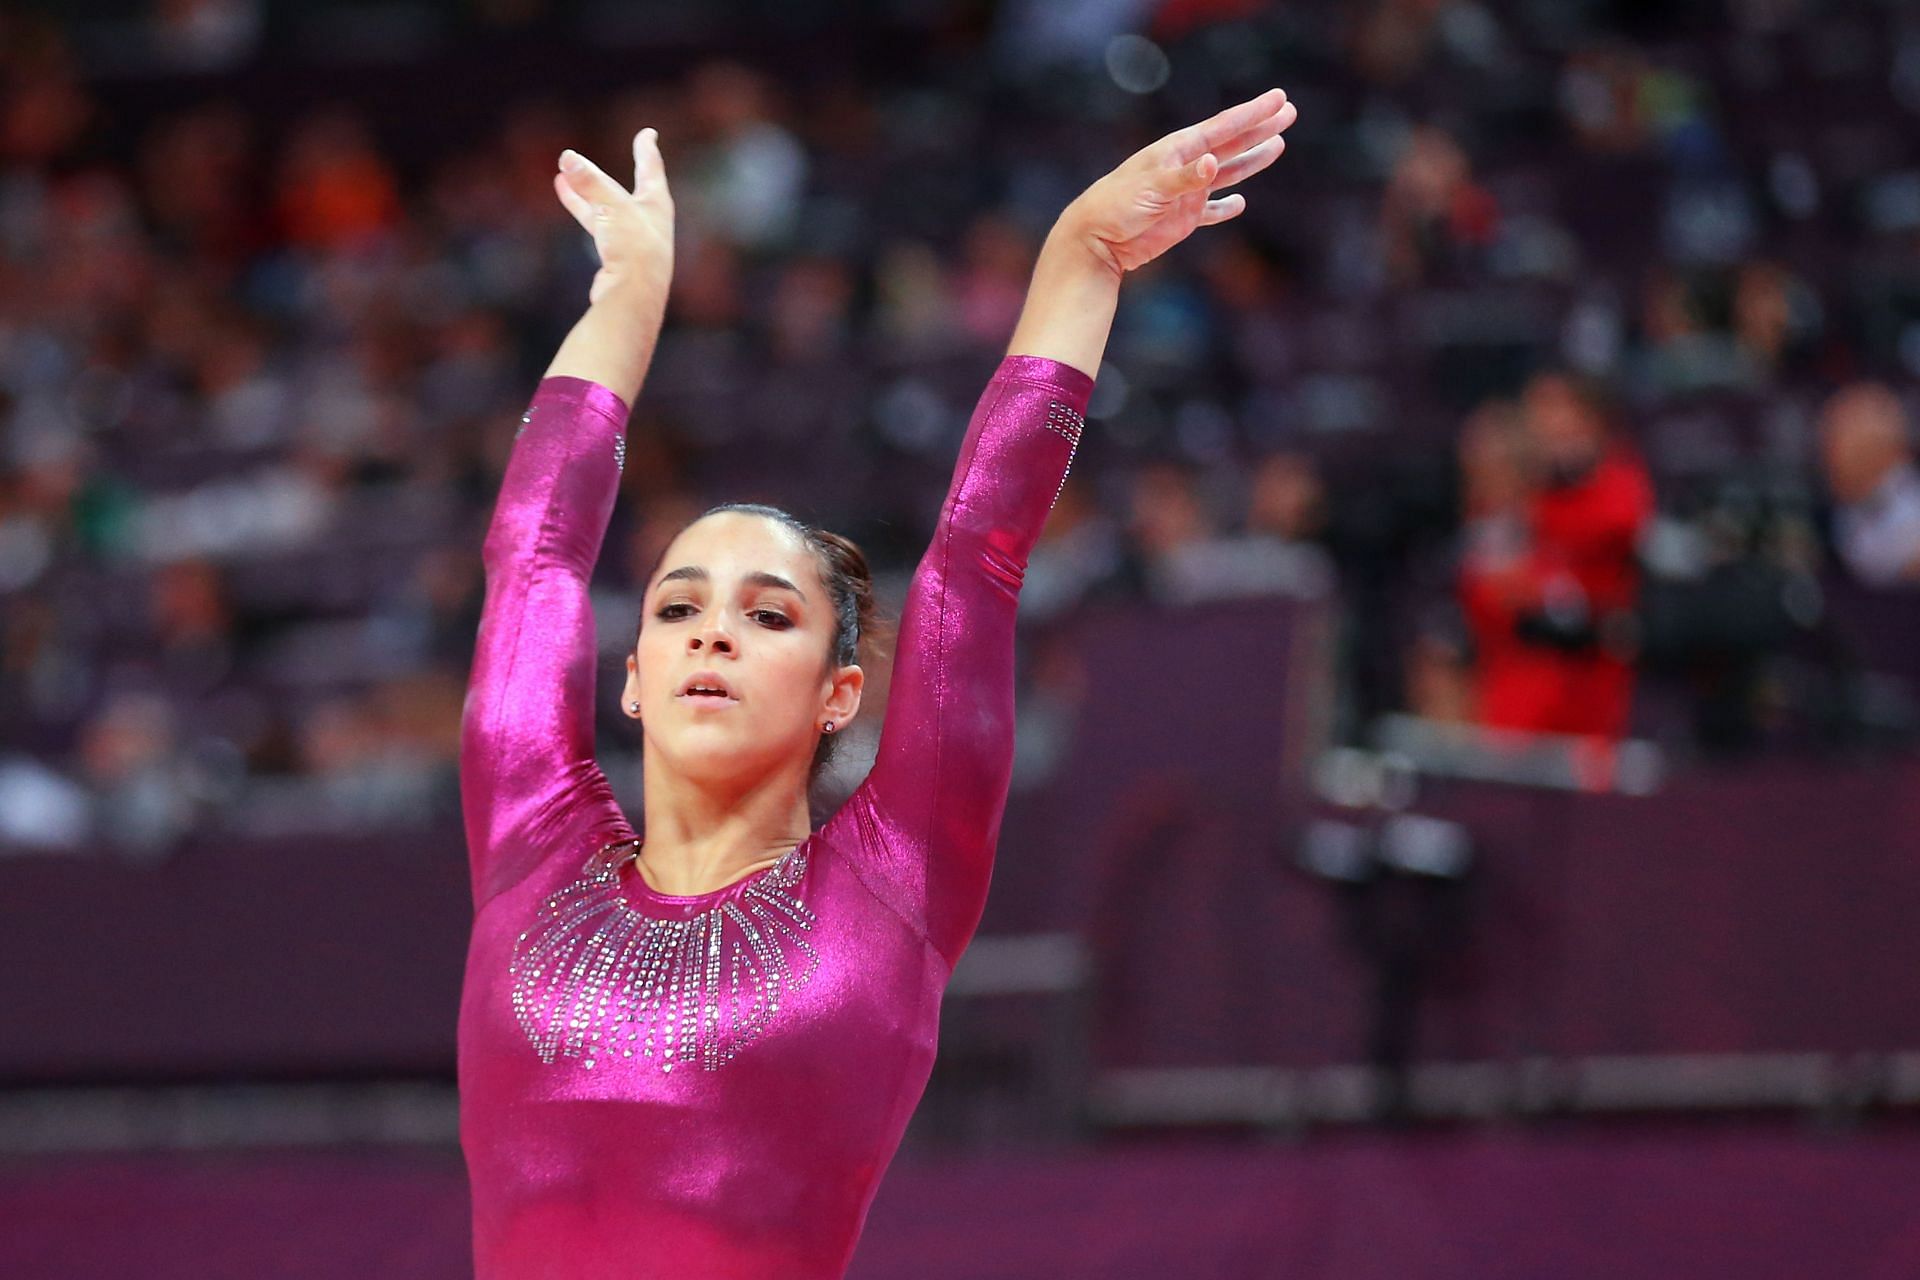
<point x="598" y="977"/>
<point x="712" y="1085"/>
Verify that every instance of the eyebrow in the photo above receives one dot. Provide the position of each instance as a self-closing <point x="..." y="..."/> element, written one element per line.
<point x="759" y="578"/>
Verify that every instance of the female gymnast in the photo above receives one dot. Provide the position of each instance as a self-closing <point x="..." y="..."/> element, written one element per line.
<point x="694" y="1054"/>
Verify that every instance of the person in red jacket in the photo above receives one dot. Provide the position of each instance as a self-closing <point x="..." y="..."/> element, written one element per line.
<point x="1552" y="618"/>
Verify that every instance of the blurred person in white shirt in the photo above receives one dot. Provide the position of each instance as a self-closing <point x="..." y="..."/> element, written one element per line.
<point x="1868" y="458"/>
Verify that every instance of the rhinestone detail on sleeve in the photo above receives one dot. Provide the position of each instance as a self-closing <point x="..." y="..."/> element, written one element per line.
<point x="1066" y="422"/>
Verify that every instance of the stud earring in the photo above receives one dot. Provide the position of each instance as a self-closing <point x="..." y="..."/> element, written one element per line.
<point x="634" y="706"/>
<point x="827" y="727"/>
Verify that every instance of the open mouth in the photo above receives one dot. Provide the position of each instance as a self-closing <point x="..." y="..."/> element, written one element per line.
<point x="708" y="688"/>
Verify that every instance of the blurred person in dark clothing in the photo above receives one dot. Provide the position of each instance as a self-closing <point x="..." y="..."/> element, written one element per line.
<point x="1552" y="615"/>
<point x="1277" y="553"/>
<point x="193" y="626"/>
<point x="1433" y="216"/>
<point x="1165" y="520"/>
<point x="1286" y="520"/>
<point x="1078" y="556"/>
<point x="1176" y="554"/>
<point x="1868" y="459"/>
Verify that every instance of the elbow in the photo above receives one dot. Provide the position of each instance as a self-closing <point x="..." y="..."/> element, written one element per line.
<point x="478" y="741"/>
<point x="496" y="550"/>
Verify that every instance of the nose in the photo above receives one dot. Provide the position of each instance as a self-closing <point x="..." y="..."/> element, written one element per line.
<point x="713" y="635"/>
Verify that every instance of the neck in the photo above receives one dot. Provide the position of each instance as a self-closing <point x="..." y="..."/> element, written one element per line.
<point x="703" y="835"/>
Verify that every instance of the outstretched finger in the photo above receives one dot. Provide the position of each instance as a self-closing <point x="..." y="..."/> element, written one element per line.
<point x="578" y="205"/>
<point x="1214" y="133"/>
<point x="1225" y="207"/>
<point x="1273" y="126"/>
<point x="589" y="179"/>
<point x="647" y="165"/>
<point x="1249" y="162"/>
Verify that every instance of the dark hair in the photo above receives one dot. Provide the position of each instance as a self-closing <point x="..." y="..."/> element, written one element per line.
<point x="849" y="583"/>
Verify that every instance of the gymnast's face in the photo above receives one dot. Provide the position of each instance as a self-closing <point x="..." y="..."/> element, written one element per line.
<point x="732" y="670"/>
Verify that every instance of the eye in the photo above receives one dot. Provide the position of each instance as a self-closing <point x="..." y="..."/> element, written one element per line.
<point x="773" y="618"/>
<point x="674" y="612"/>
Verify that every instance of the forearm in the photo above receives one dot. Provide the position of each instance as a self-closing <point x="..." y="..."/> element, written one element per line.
<point x="612" y="344"/>
<point x="940" y="779"/>
<point x="527" y="723"/>
<point x="1070" y="304"/>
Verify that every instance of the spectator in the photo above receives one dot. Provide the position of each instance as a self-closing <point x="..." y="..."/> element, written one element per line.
<point x="142" y="788"/>
<point x="1172" y="535"/>
<point x="808" y="315"/>
<point x="1187" y="559"/>
<point x="1552" y="608"/>
<point x="1434" y="216"/>
<point x="913" y="302"/>
<point x="1079" y="552"/>
<point x="192" y="624"/>
<point x="1496" y="581"/>
<point x="1875" y="486"/>
<point x="44" y="110"/>
<point x="335" y="189"/>
<point x="992" y="280"/>
<point x="746" y="184"/>
<point x="1286" y="517"/>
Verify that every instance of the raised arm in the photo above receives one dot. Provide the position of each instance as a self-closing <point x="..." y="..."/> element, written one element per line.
<point x="527" y="777"/>
<point x="929" y="814"/>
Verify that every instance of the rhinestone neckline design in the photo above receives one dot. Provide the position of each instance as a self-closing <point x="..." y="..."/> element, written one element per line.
<point x="594" y="978"/>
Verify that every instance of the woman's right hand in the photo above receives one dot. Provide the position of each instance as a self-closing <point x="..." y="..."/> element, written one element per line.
<point x="632" y="230"/>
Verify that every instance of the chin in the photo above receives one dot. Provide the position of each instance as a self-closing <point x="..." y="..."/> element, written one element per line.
<point x="719" y="753"/>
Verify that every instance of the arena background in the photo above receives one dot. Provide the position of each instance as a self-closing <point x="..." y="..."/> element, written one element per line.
<point x="1292" y="967"/>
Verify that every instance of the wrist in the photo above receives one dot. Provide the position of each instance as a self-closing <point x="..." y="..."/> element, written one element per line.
<point x="632" y="298"/>
<point x="1070" y="251"/>
<point x="1071" y="302"/>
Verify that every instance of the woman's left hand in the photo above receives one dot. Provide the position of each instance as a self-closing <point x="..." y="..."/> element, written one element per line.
<point x="1156" y="198"/>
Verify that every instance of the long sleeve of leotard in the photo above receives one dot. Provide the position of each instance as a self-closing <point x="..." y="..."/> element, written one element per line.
<point x="527" y="777"/>
<point x="929" y="813"/>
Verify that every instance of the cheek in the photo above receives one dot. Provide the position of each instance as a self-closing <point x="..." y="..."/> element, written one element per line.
<point x="793" y="673"/>
<point x="653" y="654"/>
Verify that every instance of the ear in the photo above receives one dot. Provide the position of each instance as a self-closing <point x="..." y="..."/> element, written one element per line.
<point x="843" y="696"/>
<point x="630" y="691"/>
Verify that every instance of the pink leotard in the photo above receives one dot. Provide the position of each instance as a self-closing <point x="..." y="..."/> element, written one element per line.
<point x="711" y="1086"/>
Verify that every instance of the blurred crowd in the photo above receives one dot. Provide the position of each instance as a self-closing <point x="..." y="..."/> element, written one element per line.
<point x="1566" y="360"/>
